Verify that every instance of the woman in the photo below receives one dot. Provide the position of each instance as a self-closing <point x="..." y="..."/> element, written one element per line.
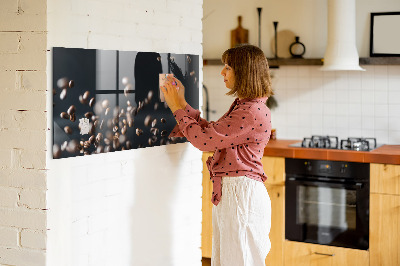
<point x="242" y="207"/>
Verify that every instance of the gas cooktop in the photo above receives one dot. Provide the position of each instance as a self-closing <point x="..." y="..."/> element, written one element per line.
<point x="332" y="142"/>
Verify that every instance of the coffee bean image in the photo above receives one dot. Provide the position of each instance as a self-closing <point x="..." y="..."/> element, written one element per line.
<point x="100" y="149"/>
<point x="122" y="139"/>
<point x="62" y="83"/>
<point x="147" y="120"/>
<point x="64" y="145"/>
<point x="128" y="88"/>
<point x="71" y="110"/>
<point x="116" y="144"/>
<point x="71" y="83"/>
<point x="72" y="117"/>
<point x="99" y="137"/>
<point x="63" y="94"/>
<point x="86" y="152"/>
<point x="123" y="130"/>
<point x="192" y="73"/>
<point x="105" y="103"/>
<point x="107" y="141"/>
<point x="68" y="130"/>
<point x="125" y="80"/>
<point x="72" y="146"/>
<point x="150" y="141"/>
<point x="107" y="148"/>
<point x="92" y="138"/>
<point x="188" y="59"/>
<point x="128" y="145"/>
<point x="146" y="101"/>
<point x="88" y="115"/>
<point x="64" y="115"/>
<point x="96" y="123"/>
<point x="139" y="131"/>
<point x="101" y="124"/>
<point x="115" y="129"/>
<point x="107" y="111"/>
<point x="153" y="124"/>
<point x="156" y="106"/>
<point x="153" y="139"/>
<point x="81" y="100"/>
<point x="86" y="96"/>
<point x="163" y="141"/>
<point x="164" y="133"/>
<point x="159" y="58"/>
<point x="150" y="95"/>
<point x="154" y="131"/>
<point x="56" y="151"/>
<point x="163" y="120"/>
<point x="91" y="102"/>
<point x="116" y="111"/>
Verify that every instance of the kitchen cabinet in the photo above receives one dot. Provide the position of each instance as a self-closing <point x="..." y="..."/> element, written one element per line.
<point x="306" y="254"/>
<point x="274" y="168"/>
<point x="385" y="214"/>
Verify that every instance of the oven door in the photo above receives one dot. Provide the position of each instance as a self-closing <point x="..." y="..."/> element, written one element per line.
<point x="327" y="213"/>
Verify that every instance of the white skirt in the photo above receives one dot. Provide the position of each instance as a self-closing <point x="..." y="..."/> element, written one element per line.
<point x="241" y="223"/>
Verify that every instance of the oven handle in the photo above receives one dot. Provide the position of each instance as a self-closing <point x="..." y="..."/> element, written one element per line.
<point x="325" y="254"/>
<point x="357" y="185"/>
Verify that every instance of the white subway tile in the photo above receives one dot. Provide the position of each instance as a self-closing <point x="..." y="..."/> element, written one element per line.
<point x="382" y="136"/>
<point x="380" y="71"/>
<point x="394" y="110"/>
<point x="394" y="137"/>
<point x="381" y="97"/>
<point x="394" y="123"/>
<point x="382" y="110"/>
<point x="394" y="97"/>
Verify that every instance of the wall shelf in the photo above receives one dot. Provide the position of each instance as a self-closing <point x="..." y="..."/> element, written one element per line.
<point x="274" y="63"/>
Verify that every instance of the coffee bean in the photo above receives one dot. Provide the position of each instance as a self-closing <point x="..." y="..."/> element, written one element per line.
<point x="123" y="130"/>
<point x="139" y="131"/>
<point x="96" y="123"/>
<point x="64" y="145"/>
<point x="64" y="115"/>
<point x="99" y="137"/>
<point x="107" y="148"/>
<point x="88" y="115"/>
<point x="71" y="83"/>
<point x="56" y="151"/>
<point x="150" y="95"/>
<point x="81" y="100"/>
<point x="116" y="111"/>
<point x="156" y="106"/>
<point x="192" y="73"/>
<point x="153" y="124"/>
<point x="146" y="101"/>
<point x="125" y="80"/>
<point x="101" y="124"/>
<point x="163" y="120"/>
<point x="86" y="95"/>
<point x="107" y="141"/>
<point x="72" y="146"/>
<point x="128" y="88"/>
<point x="72" y="117"/>
<point x="147" y="120"/>
<point x="105" y="103"/>
<point x="159" y="58"/>
<point x="71" y="110"/>
<point x="92" y="138"/>
<point x="150" y="141"/>
<point x="154" y="131"/>
<point x="100" y="149"/>
<point x="63" y="94"/>
<point x="163" y="141"/>
<point x="62" y="83"/>
<point x="153" y="139"/>
<point x="116" y="144"/>
<point x="164" y="133"/>
<point x="68" y="130"/>
<point x="91" y="102"/>
<point x="115" y="129"/>
<point x="107" y="111"/>
<point x="128" y="145"/>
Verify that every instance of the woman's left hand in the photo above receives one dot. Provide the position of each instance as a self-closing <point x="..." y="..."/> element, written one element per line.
<point x="170" y="90"/>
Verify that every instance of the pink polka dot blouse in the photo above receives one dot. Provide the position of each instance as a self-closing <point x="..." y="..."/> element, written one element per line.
<point x="238" y="139"/>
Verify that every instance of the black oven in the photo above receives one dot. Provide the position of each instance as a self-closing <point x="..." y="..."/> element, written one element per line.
<point x="327" y="203"/>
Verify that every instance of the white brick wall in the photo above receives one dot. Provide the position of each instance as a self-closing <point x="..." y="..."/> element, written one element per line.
<point x="23" y="127"/>
<point x="137" y="207"/>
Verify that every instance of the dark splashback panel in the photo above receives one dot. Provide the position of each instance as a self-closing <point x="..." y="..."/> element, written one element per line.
<point x="107" y="100"/>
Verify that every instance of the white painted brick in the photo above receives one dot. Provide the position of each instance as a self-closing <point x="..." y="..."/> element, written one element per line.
<point x="30" y="80"/>
<point x="8" y="237"/>
<point x="98" y="222"/>
<point x="5" y="158"/>
<point x="23" y="178"/>
<point x="23" y="218"/>
<point x="22" y="100"/>
<point x="33" y="159"/>
<point x="8" y="197"/>
<point x="9" y="42"/>
<point x="23" y="139"/>
<point x="18" y="256"/>
<point x="33" y="239"/>
<point x="33" y="199"/>
<point x="33" y="120"/>
<point x="23" y="22"/>
<point x="7" y="81"/>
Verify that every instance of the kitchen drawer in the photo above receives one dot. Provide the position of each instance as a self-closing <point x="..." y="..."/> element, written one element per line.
<point x="305" y="254"/>
<point x="385" y="178"/>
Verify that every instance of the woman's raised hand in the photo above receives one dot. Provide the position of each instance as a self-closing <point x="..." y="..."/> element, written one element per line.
<point x="174" y="94"/>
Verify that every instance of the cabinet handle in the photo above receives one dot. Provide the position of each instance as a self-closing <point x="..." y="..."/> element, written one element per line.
<point x="325" y="254"/>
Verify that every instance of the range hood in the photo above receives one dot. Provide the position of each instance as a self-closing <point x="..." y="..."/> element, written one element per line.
<point x="341" y="51"/>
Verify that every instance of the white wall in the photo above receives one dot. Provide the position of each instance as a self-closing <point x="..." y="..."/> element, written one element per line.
<point x="23" y="133"/>
<point x="137" y="207"/>
<point x="305" y="18"/>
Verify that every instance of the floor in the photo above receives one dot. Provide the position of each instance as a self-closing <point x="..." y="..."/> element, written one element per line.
<point x="206" y="261"/>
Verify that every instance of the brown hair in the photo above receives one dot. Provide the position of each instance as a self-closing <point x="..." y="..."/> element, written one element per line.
<point x="250" y="66"/>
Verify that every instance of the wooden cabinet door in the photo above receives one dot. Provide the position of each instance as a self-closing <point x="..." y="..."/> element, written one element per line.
<point x="384" y="236"/>
<point x="274" y="168"/>
<point x="206" y="232"/>
<point x="277" y="233"/>
<point x="385" y="178"/>
<point x="305" y="254"/>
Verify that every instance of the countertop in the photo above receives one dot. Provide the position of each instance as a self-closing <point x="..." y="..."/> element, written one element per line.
<point x="389" y="154"/>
